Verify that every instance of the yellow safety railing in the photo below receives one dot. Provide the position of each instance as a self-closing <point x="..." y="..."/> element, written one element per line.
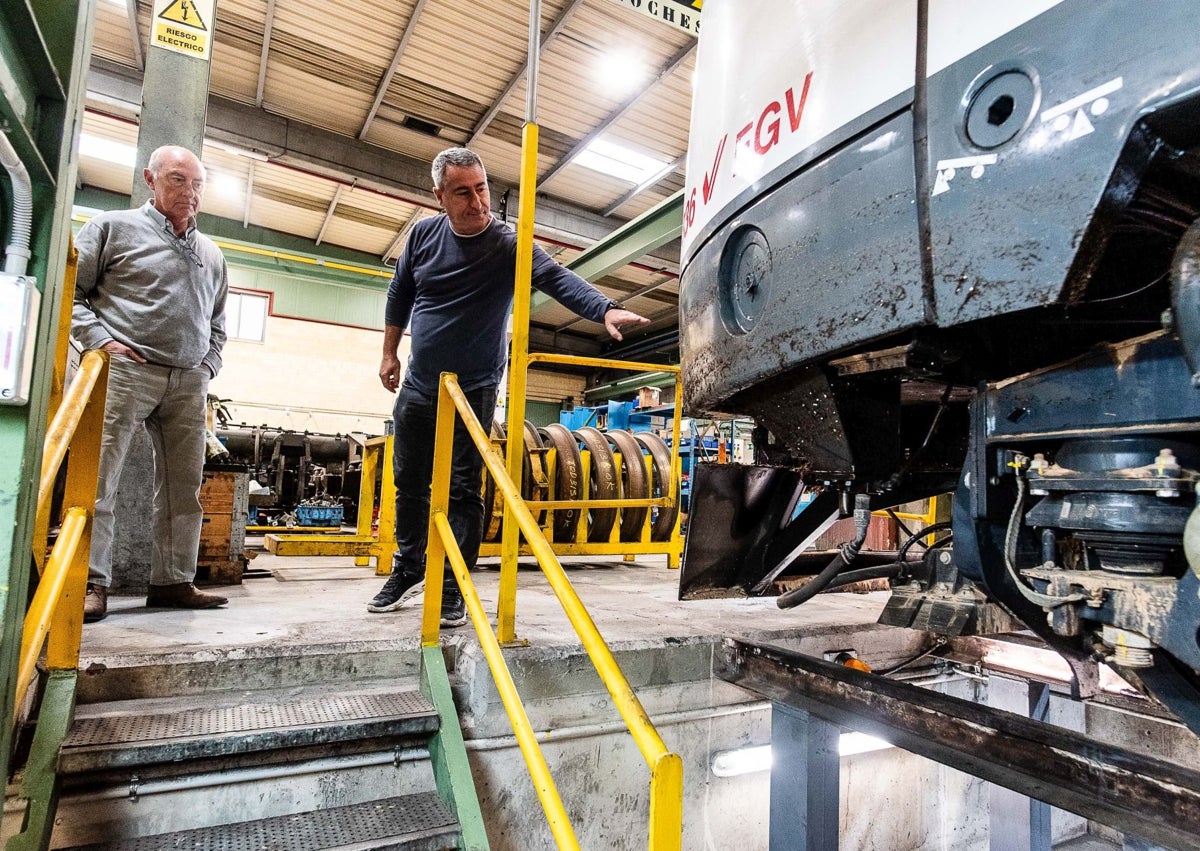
<point x="934" y="506"/>
<point x="55" y="615"/>
<point x="666" y="768"/>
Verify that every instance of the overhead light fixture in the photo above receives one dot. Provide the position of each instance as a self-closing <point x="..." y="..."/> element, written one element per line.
<point x="239" y="151"/>
<point x="741" y="761"/>
<point x="618" y="161"/>
<point x="226" y="185"/>
<point x="107" y="149"/>
<point x="621" y="72"/>
<point x="758" y="757"/>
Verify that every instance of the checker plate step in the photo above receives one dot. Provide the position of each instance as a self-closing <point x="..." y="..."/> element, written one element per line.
<point x="134" y="738"/>
<point x="409" y="822"/>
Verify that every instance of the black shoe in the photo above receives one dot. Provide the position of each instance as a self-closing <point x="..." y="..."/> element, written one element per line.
<point x="398" y="590"/>
<point x="454" y="610"/>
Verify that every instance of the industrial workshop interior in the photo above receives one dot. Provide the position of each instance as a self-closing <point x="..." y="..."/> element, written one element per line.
<point x="841" y="486"/>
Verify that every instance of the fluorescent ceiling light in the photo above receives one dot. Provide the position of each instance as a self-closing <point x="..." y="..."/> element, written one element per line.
<point x="621" y="72"/>
<point x="226" y="185"/>
<point x="758" y="757"/>
<point x="618" y="161"/>
<point x="107" y="150"/>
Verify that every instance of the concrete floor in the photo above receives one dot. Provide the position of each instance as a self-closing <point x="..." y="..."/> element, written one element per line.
<point x="323" y="600"/>
<point x="316" y="607"/>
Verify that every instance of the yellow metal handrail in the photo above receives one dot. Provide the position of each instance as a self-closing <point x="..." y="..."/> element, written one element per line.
<point x="55" y="615"/>
<point x="45" y="601"/>
<point x="666" y="768"/>
<point x="66" y="420"/>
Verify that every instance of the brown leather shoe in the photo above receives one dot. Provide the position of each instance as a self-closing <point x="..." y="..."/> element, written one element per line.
<point x="181" y="595"/>
<point x="95" y="604"/>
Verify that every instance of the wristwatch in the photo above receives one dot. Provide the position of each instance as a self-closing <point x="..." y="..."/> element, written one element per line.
<point x="613" y="304"/>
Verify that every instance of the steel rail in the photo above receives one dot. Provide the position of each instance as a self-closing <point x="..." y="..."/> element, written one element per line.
<point x="1132" y="792"/>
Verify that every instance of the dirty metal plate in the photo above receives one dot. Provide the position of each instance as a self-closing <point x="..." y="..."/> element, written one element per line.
<point x="1129" y="791"/>
<point x="409" y="822"/>
<point x="134" y="738"/>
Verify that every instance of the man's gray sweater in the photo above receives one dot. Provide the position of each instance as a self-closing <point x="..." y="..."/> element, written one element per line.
<point x="139" y="284"/>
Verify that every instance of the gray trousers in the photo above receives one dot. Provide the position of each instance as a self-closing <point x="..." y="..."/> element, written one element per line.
<point x="171" y="404"/>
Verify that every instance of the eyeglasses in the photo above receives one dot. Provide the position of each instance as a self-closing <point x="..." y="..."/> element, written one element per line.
<point x="178" y="181"/>
<point x="184" y="247"/>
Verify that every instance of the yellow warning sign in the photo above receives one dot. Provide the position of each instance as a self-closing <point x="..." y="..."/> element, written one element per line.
<point x="184" y="26"/>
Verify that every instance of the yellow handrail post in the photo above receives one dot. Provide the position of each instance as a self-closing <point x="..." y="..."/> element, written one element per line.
<point x="366" y="500"/>
<point x="385" y="541"/>
<point x="439" y="505"/>
<point x="666" y="803"/>
<point x="539" y="772"/>
<point x="41" y="523"/>
<point x="62" y="648"/>
<point x="42" y="612"/>
<point x="517" y="378"/>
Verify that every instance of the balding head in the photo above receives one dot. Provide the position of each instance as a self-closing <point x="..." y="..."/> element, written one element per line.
<point x="176" y="177"/>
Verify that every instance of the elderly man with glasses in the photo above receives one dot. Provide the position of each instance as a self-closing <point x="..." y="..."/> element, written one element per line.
<point x="151" y="291"/>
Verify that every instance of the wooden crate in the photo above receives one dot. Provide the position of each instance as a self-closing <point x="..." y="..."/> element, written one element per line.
<point x="224" y="496"/>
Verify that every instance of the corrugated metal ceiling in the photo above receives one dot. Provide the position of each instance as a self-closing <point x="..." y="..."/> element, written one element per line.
<point x="414" y="77"/>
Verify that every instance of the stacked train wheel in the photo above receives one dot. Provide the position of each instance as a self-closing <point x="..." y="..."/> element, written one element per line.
<point x="617" y="469"/>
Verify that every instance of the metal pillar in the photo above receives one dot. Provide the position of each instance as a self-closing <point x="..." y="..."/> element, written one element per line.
<point x="1017" y="822"/>
<point x="805" y="775"/>
<point x="174" y="100"/>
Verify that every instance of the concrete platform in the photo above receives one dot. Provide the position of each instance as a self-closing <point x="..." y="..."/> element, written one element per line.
<point x="321" y="601"/>
<point x="307" y="624"/>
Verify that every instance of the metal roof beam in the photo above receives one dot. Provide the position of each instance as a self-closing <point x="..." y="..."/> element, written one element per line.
<point x="249" y="195"/>
<point x="386" y="81"/>
<point x="653" y="180"/>
<point x="268" y="25"/>
<point x="637" y="238"/>
<point x="550" y="35"/>
<point x="337" y="196"/>
<point x="342" y="158"/>
<point x="135" y="37"/>
<point x="613" y="117"/>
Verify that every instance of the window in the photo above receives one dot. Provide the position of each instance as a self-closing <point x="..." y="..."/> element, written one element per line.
<point x="246" y="316"/>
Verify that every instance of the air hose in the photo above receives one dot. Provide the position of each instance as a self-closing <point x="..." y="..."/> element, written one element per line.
<point x="847" y="553"/>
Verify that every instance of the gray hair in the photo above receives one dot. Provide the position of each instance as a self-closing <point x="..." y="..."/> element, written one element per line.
<point x="461" y="157"/>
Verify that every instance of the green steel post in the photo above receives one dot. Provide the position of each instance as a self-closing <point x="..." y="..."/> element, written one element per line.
<point x="42" y="68"/>
<point x="448" y="753"/>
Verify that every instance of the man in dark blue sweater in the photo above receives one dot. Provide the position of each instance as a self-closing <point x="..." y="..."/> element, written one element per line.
<point x="454" y="287"/>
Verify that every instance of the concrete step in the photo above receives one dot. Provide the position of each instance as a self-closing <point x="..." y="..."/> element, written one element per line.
<point x="164" y="737"/>
<point x="417" y="822"/>
<point x="133" y="675"/>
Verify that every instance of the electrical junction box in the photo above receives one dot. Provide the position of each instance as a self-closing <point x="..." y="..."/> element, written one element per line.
<point x="19" y="302"/>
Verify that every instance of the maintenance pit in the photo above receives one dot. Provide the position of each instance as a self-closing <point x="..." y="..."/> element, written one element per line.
<point x="301" y="633"/>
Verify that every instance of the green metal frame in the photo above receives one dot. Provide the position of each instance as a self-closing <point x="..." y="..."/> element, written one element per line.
<point x="636" y="238"/>
<point x="448" y="753"/>
<point x="43" y="60"/>
<point x="39" y="785"/>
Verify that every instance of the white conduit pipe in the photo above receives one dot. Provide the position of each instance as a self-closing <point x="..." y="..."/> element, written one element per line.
<point x="16" y="255"/>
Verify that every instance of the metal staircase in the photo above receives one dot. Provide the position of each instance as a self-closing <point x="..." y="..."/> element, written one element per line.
<point x="347" y="764"/>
